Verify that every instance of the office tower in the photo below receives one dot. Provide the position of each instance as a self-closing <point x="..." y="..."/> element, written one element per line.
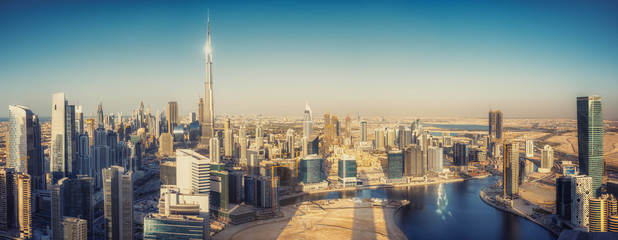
<point x="289" y="138"/>
<point x="461" y="154"/>
<point x="307" y="122"/>
<point x="74" y="228"/>
<point x="435" y="159"/>
<point x="118" y="203"/>
<point x="304" y="144"/>
<point x="173" y="201"/>
<point x="25" y="152"/>
<point x="547" y="159"/>
<point x="8" y="200"/>
<point x="215" y="155"/>
<point x="236" y="188"/>
<point x="267" y="192"/>
<point x="219" y="188"/>
<point x="63" y="144"/>
<point x="228" y="143"/>
<point x="413" y="161"/>
<point x="598" y="214"/>
<point x="590" y="139"/>
<point x="242" y="142"/>
<point x="259" y="136"/>
<point x="161" y="226"/>
<point x="581" y="192"/>
<point x="72" y="198"/>
<point x="563" y="198"/>
<point x="348" y="125"/>
<point x="172" y="116"/>
<point x="100" y="116"/>
<point x="511" y="170"/>
<point x="193" y="116"/>
<point x="79" y="119"/>
<point x="195" y="172"/>
<point x="166" y="144"/>
<point x="495" y="124"/>
<point x="83" y="152"/>
<point x="208" y="126"/>
<point x="363" y="130"/>
<point x="347" y="171"/>
<point x="395" y="165"/>
<point x="311" y="169"/>
<point x="529" y="148"/>
<point x="379" y="139"/>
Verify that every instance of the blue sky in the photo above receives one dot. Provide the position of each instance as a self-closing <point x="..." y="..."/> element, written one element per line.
<point x="425" y="58"/>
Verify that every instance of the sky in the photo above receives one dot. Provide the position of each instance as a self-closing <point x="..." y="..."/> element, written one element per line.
<point x="530" y="59"/>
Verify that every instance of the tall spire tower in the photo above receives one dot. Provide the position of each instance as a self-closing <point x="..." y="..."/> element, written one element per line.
<point x="209" y="113"/>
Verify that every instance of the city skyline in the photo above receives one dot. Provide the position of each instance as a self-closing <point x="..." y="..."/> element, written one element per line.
<point x="465" y="58"/>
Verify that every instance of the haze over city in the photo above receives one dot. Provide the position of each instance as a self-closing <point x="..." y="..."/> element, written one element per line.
<point x="397" y="58"/>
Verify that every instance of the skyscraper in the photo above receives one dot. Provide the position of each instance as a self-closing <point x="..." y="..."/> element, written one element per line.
<point x="100" y="116"/>
<point x="311" y="169"/>
<point x="414" y="161"/>
<point x="395" y="164"/>
<point x="24" y="205"/>
<point x="215" y="155"/>
<point x="74" y="228"/>
<point x="363" y="130"/>
<point x="172" y="116"/>
<point x="511" y="170"/>
<point x="118" y="203"/>
<point x="461" y="154"/>
<point x="63" y="144"/>
<point x="590" y="139"/>
<point x="347" y="171"/>
<point x="581" y="192"/>
<point x="72" y="198"/>
<point x="547" y="159"/>
<point x="208" y="125"/>
<point x="25" y="152"/>
<point x="194" y="172"/>
<point x="435" y="159"/>
<point x="307" y="122"/>
<point x="529" y="148"/>
<point x="200" y="111"/>
<point x="495" y="124"/>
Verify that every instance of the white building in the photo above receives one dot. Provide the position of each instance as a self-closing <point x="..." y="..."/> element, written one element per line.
<point x="435" y="158"/>
<point x="547" y="159"/>
<point x="192" y="172"/>
<point x="581" y="192"/>
<point x="529" y="148"/>
<point x="307" y="122"/>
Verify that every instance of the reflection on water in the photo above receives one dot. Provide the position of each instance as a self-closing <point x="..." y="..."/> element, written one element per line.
<point x="442" y="203"/>
<point x="446" y="211"/>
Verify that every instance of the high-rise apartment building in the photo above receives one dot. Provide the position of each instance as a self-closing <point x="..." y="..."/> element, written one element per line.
<point x="63" y="162"/>
<point x="72" y="198"/>
<point x="415" y="161"/>
<point x="495" y="124"/>
<point x="25" y="152"/>
<point x="435" y="159"/>
<point x="215" y="154"/>
<point x="511" y="170"/>
<point x="547" y="159"/>
<point x="74" y="228"/>
<point x="461" y="154"/>
<point x="529" y="148"/>
<point x="598" y="214"/>
<point x="590" y="139"/>
<point x="24" y="205"/>
<point x="118" y="203"/>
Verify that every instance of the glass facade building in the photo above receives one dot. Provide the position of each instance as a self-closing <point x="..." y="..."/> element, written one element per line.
<point x="590" y="139"/>
<point x="395" y="165"/>
<point x="311" y="169"/>
<point x="158" y="226"/>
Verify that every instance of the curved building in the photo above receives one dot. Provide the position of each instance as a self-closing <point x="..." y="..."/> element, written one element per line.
<point x="179" y="133"/>
<point x="598" y="213"/>
<point x="613" y="223"/>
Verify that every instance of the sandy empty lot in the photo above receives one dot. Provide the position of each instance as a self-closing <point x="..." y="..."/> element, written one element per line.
<point x="568" y="144"/>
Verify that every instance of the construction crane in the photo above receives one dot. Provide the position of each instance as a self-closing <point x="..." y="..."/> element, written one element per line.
<point x="272" y="179"/>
